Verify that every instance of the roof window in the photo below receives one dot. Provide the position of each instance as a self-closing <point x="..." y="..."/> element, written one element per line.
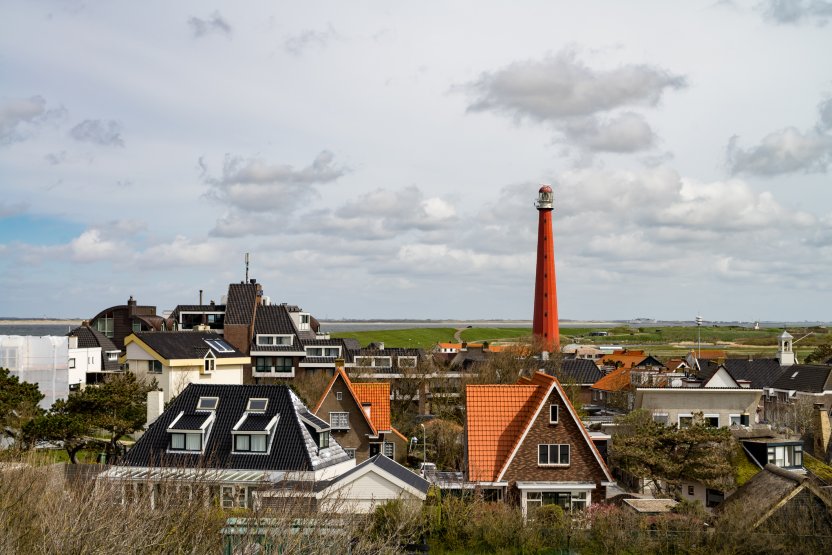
<point x="257" y="405"/>
<point x="207" y="403"/>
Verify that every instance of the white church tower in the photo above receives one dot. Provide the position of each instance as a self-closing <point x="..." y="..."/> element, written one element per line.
<point x="785" y="354"/>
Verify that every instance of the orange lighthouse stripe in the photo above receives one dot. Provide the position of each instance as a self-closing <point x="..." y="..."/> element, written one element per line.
<point x="545" y="323"/>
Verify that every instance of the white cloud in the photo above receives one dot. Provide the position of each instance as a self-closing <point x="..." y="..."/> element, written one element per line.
<point x="182" y="251"/>
<point x="298" y="44"/>
<point x="20" y="117"/>
<point x="90" y="246"/>
<point x="628" y="132"/>
<point x="100" y="132"/>
<point x="780" y="152"/>
<point x="213" y="24"/>
<point x="796" y="11"/>
<point x="563" y="86"/>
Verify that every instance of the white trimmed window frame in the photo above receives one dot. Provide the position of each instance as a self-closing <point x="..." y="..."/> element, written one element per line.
<point x="556" y="448"/>
<point x="339" y="420"/>
<point x="679" y="418"/>
<point x="554" y="407"/>
<point x="275" y="339"/>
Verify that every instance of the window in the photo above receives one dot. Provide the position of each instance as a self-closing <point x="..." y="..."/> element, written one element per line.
<point x="711" y="420"/>
<point x="389" y="449"/>
<point x="339" y="420"/>
<point x="739" y="419"/>
<point x="137" y="326"/>
<point x="253" y="443"/>
<point x="323" y="351"/>
<point x="207" y="403"/>
<point x="786" y="455"/>
<point x="273" y="364"/>
<point x="186" y="442"/>
<point x="339" y="395"/>
<point x="565" y="499"/>
<point x="257" y="405"/>
<point x="407" y="362"/>
<point x="323" y="440"/>
<point x="553" y="454"/>
<point x="235" y="496"/>
<point x="553" y="414"/>
<point x="685" y="421"/>
<point x="72" y="363"/>
<point x="154" y="366"/>
<point x="350" y="453"/>
<point x="210" y="364"/>
<point x="112" y="355"/>
<point x="660" y="418"/>
<point x="713" y="497"/>
<point x="105" y="324"/>
<point x="304" y="322"/>
<point x="691" y="490"/>
<point x="267" y="340"/>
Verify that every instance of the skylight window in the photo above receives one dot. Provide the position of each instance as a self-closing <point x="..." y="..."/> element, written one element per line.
<point x="219" y="345"/>
<point x="795" y="374"/>
<point x="207" y="403"/>
<point x="257" y="405"/>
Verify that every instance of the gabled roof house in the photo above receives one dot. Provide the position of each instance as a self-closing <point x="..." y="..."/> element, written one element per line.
<point x="527" y="438"/>
<point x="359" y="415"/>
<point x="178" y="358"/>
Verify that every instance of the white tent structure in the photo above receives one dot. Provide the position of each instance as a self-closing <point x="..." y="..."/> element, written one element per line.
<point x="40" y="360"/>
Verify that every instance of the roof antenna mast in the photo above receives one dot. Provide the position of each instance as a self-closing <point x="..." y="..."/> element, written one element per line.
<point x="246" y="267"/>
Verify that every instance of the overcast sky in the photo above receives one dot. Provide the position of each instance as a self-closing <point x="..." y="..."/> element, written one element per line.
<point x="381" y="159"/>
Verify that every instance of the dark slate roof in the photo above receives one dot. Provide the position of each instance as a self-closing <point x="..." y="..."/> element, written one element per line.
<point x="809" y="378"/>
<point x="314" y="420"/>
<point x="239" y="308"/>
<point x="580" y="371"/>
<point x="296" y="348"/>
<point x="184" y="344"/>
<point x="351" y="343"/>
<point x="324" y="342"/>
<point x="274" y="319"/>
<point x="390" y="466"/>
<point x="319" y="360"/>
<point x="761" y="373"/>
<point x="196" y="308"/>
<point x="255" y="423"/>
<point x="90" y="338"/>
<point x="190" y="421"/>
<point x="293" y="448"/>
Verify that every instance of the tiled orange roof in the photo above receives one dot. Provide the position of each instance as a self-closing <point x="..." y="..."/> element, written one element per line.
<point x="614" y="381"/>
<point x="339" y="373"/>
<point x="624" y="360"/>
<point x="378" y="395"/>
<point x="712" y="354"/>
<point x="496" y="417"/>
<point x="449" y="345"/>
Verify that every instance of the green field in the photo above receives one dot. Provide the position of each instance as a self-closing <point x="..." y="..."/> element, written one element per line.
<point x="660" y="341"/>
<point x="422" y="338"/>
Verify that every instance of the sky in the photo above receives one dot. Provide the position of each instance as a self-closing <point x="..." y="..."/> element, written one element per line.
<point x="382" y="159"/>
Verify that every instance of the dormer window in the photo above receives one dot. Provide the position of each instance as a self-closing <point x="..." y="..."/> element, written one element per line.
<point x="254" y="432"/>
<point x="304" y="322"/>
<point x="189" y="432"/>
<point x="323" y="440"/>
<point x="274" y="339"/>
<point x="207" y="403"/>
<point x="257" y="405"/>
<point x="209" y="363"/>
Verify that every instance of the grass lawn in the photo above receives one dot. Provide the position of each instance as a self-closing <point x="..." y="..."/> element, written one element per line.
<point x="476" y="335"/>
<point x="423" y="338"/>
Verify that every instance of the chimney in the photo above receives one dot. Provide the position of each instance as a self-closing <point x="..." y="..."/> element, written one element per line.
<point x="200" y="297"/>
<point x="339" y="364"/>
<point x="131" y="305"/>
<point x="823" y="432"/>
<point x="380" y="345"/>
<point x="155" y="405"/>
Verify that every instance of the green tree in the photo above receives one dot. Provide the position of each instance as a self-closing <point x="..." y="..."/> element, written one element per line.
<point x="114" y="409"/>
<point x="666" y="456"/>
<point x="18" y="404"/>
<point x="820" y="355"/>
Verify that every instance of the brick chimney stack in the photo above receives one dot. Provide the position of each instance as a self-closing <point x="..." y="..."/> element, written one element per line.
<point x="545" y="324"/>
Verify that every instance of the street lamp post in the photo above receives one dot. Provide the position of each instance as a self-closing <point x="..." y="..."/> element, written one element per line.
<point x="699" y="334"/>
<point x="425" y="441"/>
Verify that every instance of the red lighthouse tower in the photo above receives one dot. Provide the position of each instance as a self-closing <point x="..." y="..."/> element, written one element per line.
<point x="545" y="325"/>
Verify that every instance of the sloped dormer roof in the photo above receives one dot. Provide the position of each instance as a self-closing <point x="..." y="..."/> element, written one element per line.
<point x="293" y="447"/>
